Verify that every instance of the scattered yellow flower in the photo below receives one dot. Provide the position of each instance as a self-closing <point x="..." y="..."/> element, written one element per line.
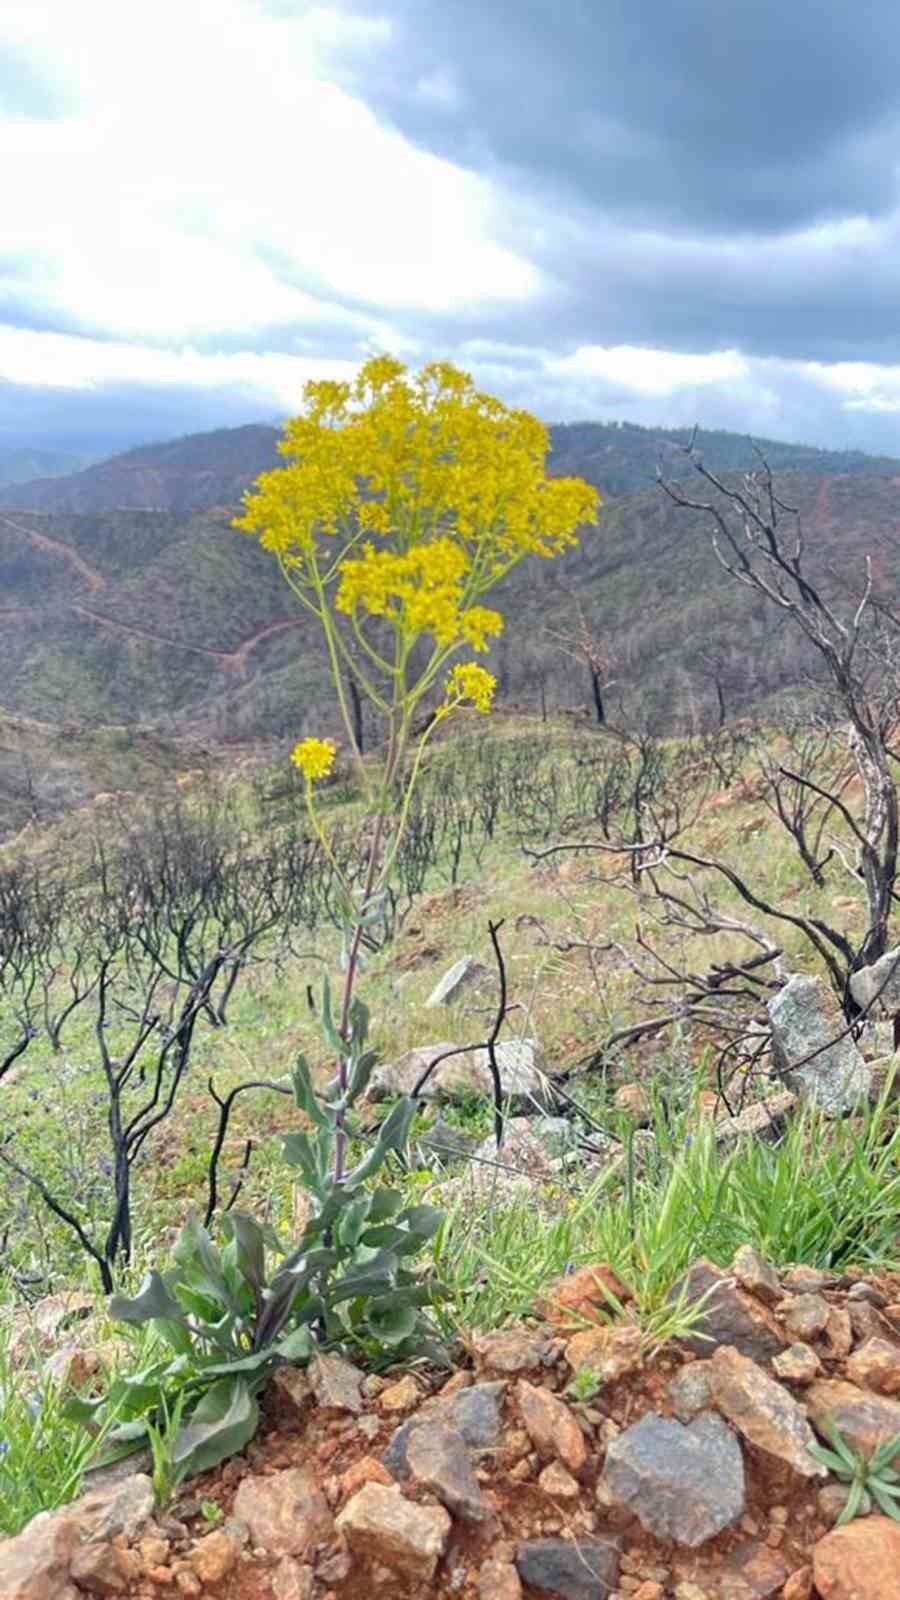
<point x="422" y="591"/>
<point x="314" y="757"/>
<point x="468" y="681"/>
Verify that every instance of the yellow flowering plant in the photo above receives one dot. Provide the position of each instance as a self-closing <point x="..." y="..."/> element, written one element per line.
<point x="403" y="500"/>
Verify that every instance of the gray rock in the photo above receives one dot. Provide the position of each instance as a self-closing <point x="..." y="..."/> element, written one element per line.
<point x="689" y="1390"/>
<point x="806" y="1017"/>
<point x="446" y="1142"/>
<point x="557" y="1132"/>
<point x="460" y="976"/>
<point x="473" y="1413"/>
<point x="522" y="1077"/>
<point x="117" y="1471"/>
<point x="878" y="987"/>
<point x="801" y="1279"/>
<point x="438" y="1459"/>
<point x="336" y="1384"/>
<point x="682" y="1483"/>
<point x="862" y="1290"/>
<point x="513" y="1350"/>
<point x="402" y="1076"/>
<point x="729" y="1315"/>
<point x="98" y="1568"/>
<point x="805" y="1316"/>
<point x="125" y="1506"/>
<point x="868" y="1323"/>
<point x="586" y="1570"/>
<point x="797" y="1364"/>
<point x="466" y="1073"/>
<point x="395" y="1454"/>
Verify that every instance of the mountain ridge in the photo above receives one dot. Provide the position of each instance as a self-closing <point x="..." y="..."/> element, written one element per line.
<point x="216" y="467"/>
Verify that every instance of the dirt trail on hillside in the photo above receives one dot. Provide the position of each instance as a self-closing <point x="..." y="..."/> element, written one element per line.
<point x="131" y="628"/>
<point x="231" y="660"/>
<point x="94" y="579"/>
<point x="238" y="657"/>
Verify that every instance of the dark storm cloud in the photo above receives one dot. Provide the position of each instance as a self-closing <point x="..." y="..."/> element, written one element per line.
<point x="688" y="174"/>
<point x="697" y="114"/>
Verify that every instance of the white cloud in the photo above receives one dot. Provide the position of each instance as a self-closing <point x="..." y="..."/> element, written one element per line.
<point x="61" y="361"/>
<point x="212" y="178"/>
<point x="648" y="372"/>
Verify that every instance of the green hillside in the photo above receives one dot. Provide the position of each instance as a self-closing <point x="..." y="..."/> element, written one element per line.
<point x="181" y="621"/>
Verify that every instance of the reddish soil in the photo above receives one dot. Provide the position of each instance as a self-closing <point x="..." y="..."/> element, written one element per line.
<point x="523" y="1510"/>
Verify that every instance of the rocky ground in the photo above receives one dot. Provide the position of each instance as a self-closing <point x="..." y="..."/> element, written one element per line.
<point x="683" y="1473"/>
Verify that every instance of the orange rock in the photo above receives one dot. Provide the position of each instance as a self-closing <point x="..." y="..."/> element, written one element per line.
<point x="551" y="1426"/>
<point x="582" y="1296"/>
<point x="860" y="1561"/>
<point x="460" y="1380"/>
<point x="799" y="1585"/>
<point x="610" y="1353"/>
<point x="401" y="1396"/>
<point x="368" y="1470"/>
<point x="876" y="1365"/>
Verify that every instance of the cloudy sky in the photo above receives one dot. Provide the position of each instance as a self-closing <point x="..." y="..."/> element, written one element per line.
<point x="661" y="210"/>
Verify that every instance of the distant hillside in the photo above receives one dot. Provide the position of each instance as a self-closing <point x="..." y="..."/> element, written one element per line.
<point x="622" y="458"/>
<point x="20" y="465"/>
<point x="214" y="469"/>
<point x="203" y="469"/>
<point x="176" y="619"/>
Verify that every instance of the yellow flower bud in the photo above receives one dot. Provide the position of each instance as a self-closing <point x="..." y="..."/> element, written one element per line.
<point x="314" y="757"/>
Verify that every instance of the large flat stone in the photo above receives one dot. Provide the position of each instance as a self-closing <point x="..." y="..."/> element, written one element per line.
<point x="877" y="988"/>
<point x="764" y="1413"/>
<point x="466" y="1073"/>
<point x="682" y="1483"/>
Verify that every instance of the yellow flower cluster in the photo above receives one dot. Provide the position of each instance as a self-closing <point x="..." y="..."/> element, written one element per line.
<point x="314" y="757"/>
<point x="423" y="591"/>
<point x="409" y="458"/>
<point x="469" y="682"/>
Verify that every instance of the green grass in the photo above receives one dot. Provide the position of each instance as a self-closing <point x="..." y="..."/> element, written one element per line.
<point x="43" y="1456"/>
<point x="827" y="1194"/>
